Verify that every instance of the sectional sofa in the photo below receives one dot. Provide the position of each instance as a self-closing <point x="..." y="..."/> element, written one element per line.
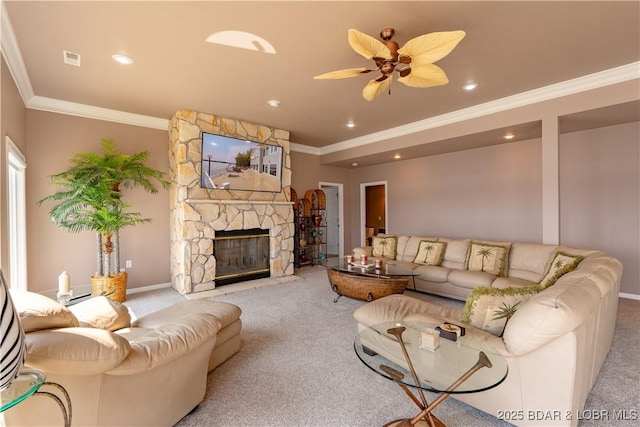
<point x="565" y="302"/>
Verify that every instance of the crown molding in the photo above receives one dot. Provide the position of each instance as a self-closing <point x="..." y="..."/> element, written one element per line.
<point x="15" y="62"/>
<point x="13" y="56"/>
<point x="98" y="113"/>
<point x="569" y="87"/>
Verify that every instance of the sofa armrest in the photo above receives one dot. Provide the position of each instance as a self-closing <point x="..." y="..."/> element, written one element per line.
<point x="75" y="350"/>
<point x="550" y="314"/>
<point x="169" y="342"/>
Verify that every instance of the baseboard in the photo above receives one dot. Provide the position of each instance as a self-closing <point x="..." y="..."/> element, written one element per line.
<point x="148" y="288"/>
<point x="629" y="296"/>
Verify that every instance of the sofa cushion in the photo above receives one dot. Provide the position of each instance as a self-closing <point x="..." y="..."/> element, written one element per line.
<point x="489" y="308"/>
<point x="455" y="254"/>
<point x="529" y="261"/>
<point x="470" y="279"/>
<point x="490" y="257"/>
<point x="403" y="248"/>
<point x="102" y="313"/>
<point x="384" y="246"/>
<point x="561" y="264"/>
<point x="39" y="312"/>
<point x="511" y="282"/>
<point x="430" y="252"/>
<point x="402" y="307"/>
<point x="75" y="351"/>
<point x="432" y="273"/>
<point x="225" y="312"/>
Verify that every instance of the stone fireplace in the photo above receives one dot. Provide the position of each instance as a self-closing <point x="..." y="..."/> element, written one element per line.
<point x="198" y="215"/>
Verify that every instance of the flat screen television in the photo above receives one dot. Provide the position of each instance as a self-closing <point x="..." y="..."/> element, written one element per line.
<point x="240" y="165"/>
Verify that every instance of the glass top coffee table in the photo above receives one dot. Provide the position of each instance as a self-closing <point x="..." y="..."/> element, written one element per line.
<point x="366" y="282"/>
<point x="394" y="351"/>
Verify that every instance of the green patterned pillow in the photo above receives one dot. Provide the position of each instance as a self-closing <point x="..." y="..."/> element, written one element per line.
<point x="487" y="257"/>
<point x="490" y="309"/>
<point x="430" y="252"/>
<point x="562" y="263"/>
<point x="384" y="246"/>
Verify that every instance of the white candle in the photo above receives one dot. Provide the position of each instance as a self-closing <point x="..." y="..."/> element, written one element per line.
<point x="64" y="283"/>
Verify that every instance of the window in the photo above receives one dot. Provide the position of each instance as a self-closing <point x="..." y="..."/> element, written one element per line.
<point x="16" y="215"/>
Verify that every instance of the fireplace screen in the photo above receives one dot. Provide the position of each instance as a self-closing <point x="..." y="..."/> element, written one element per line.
<point x="241" y="255"/>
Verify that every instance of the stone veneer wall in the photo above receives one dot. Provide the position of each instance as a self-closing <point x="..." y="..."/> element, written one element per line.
<point x="197" y="213"/>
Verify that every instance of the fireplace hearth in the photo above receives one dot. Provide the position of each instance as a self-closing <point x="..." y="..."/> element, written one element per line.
<point x="241" y="255"/>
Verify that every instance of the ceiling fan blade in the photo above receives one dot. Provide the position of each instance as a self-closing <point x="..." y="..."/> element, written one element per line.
<point x="426" y="75"/>
<point x="376" y="86"/>
<point x="343" y="74"/>
<point x="432" y="47"/>
<point x="367" y="46"/>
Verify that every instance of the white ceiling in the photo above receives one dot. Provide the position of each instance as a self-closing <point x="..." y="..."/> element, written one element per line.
<point x="510" y="49"/>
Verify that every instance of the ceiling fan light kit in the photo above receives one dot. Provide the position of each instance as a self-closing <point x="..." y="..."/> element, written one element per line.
<point x="413" y="62"/>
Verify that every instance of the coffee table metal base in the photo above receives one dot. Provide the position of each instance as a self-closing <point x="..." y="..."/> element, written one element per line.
<point x="365" y="288"/>
<point x="406" y="422"/>
<point x="426" y="416"/>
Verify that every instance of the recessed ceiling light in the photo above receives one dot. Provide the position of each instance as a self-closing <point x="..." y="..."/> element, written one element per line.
<point x="470" y="86"/>
<point x="397" y="156"/>
<point x="273" y="103"/>
<point x="354" y="164"/>
<point x="509" y="136"/>
<point x="351" y="124"/>
<point x="122" y="59"/>
<point x="242" y="40"/>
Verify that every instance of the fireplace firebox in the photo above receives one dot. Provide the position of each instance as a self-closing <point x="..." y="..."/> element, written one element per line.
<point x="241" y="255"/>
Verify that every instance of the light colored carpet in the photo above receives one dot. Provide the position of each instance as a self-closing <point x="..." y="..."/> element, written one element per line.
<point x="297" y="366"/>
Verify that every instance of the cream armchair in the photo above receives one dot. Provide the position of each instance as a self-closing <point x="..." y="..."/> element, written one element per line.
<point x="152" y="371"/>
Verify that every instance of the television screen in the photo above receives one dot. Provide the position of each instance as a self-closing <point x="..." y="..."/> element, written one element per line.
<point x="236" y="164"/>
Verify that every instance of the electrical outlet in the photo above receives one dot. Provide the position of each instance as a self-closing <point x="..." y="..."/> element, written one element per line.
<point x="129" y="263"/>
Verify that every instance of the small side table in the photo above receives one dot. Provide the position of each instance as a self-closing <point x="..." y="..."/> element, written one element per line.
<point x="28" y="383"/>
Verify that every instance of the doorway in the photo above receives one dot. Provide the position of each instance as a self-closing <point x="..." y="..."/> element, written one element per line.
<point x="334" y="218"/>
<point x="373" y="210"/>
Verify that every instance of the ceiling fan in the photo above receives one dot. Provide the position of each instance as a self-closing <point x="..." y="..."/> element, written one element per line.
<point x="413" y="61"/>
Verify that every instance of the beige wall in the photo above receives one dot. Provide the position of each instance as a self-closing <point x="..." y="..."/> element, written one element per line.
<point x="600" y="195"/>
<point x="13" y="125"/>
<point x="53" y="139"/>
<point x="492" y="192"/>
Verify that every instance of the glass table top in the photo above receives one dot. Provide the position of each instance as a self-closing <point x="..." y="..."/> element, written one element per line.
<point x="386" y="269"/>
<point x="436" y="369"/>
<point x="25" y="384"/>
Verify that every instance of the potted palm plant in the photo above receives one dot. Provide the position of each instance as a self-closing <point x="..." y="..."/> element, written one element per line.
<point x="90" y="200"/>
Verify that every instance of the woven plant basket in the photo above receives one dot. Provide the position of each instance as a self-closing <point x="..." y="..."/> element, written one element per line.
<point x="114" y="287"/>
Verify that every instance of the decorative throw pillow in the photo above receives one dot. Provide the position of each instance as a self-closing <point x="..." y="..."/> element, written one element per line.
<point x="39" y="312"/>
<point x="430" y="252"/>
<point x="490" y="309"/>
<point x="102" y="313"/>
<point x="562" y="263"/>
<point x="487" y="257"/>
<point x="384" y="246"/>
